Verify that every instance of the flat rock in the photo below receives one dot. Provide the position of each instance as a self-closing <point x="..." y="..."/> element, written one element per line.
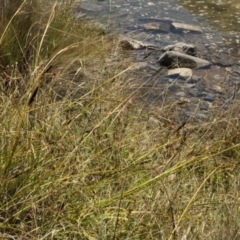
<point x="174" y="59"/>
<point x="181" y="47"/>
<point x="158" y="26"/>
<point x="205" y="105"/>
<point x="186" y="27"/>
<point x="180" y="94"/>
<point x="128" y="43"/>
<point x="190" y="85"/>
<point x="185" y="73"/>
<point x="210" y="97"/>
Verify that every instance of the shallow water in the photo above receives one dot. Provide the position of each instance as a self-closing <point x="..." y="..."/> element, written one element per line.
<point x="220" y="20"/>
<point x="218" y="42"/>
<point x="223" y="15"/>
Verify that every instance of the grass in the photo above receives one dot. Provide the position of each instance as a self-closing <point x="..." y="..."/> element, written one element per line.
<point x="82" y="158"/>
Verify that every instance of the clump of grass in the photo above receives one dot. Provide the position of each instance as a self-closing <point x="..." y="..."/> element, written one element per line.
<point x="82" y="159"/>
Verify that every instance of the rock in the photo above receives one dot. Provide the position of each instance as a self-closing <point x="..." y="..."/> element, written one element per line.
<point x="140" y="65"/>
<point x="190" y="85"/>
<point x="181" y="47"/>
<point x="174" y="59"/>
<point x="186" y="27"/>
<point x="153" y="67"/>
<point x="162" y="27"/>
<point x="237" y="96"/>
<point x="201" y="87"/>
<point x="185" y="73"/>
<point x="217" y="88"/>
<point x="128" y="43"/>
<point x="183" y="100"/>
<point x="194" y="79"/>
<point x="174" y="88"/>
<point x="202" y="94"/>
<point x="193" y="92"/>
<point x="180" y="94"/>
<point x="205" y="105"/>
<point x="209" y="97"/>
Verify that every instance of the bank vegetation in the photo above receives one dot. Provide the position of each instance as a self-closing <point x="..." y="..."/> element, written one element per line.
<point x="82" y="158"/>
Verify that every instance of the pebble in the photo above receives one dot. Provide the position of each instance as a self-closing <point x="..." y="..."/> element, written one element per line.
<point x="180" y="94"/>
<point x="183" y="100"/>
<point x="194" y="79"/>
<point x="185" y="73"/>
<point x="190" y="85"/>
<point x="210" y="97"/>
<point x="205" y="105"/>
<point x="217" y="88"/>
<point x="193" y="92"/>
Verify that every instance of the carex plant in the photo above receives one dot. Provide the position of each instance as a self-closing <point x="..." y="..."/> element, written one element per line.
<point x="82" y="158"/>
<point x="45" y="90"/>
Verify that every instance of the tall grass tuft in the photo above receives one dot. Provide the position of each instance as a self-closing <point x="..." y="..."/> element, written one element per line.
<point x="82" y="158"/>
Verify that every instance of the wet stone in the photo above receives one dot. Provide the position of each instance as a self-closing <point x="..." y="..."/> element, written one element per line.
<point x="183" y="100"/>
<point x="174" y="59"/>
<point x="178" y="80"/>
<point x="200" y="86"/>
<point x="194" y="79"/>
<point x="128" y="43"/>
<point x="190" y="85"/>
<point x="217" y="88"/>
<point x="210" y="97"/>
<point x="174" y="88"/>
<point x="237" y="96"/>
<point x="180" y="94"/>
<point x="187" y="27"/>
<point x="184" y="73"/>
<point x="156" y="26"/>
<point x="205" y="105"/>
<point x="188" y="49"/>
<point x="193" y="92"/>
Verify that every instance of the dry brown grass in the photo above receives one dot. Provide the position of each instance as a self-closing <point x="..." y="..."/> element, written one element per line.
<point x="81" y="158"/>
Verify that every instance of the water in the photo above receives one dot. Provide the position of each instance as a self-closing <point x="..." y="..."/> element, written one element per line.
<point x="223" y="15"/>
<point x="219" y="19"/>
<point x="218" y="42"/>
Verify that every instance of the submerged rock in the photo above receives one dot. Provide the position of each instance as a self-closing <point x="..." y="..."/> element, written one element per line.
<point x="174" y="59"/>
<point x="128" y="43"/>
<point x="186" y="27"/>
<point x="157" y="26"/>
<point x="188" y="49"/>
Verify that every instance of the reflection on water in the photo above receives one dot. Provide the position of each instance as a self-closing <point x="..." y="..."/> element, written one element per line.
<point x="224" y="15"/>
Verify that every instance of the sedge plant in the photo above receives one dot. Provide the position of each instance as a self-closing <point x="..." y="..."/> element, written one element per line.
<point x="82" y="158"/>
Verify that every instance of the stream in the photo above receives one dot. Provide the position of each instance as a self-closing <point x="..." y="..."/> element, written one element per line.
<point x="216" y="37"/>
